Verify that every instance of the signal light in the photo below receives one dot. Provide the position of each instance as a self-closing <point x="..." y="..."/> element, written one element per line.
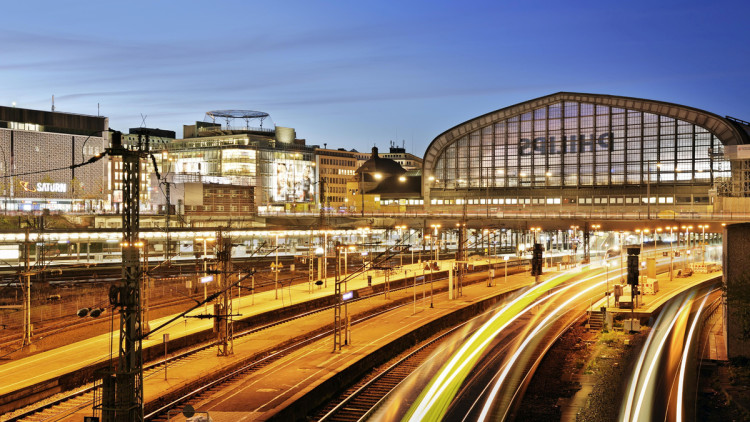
<point x="633" y="270"/>
<point x="83" y="312"/>
<point x="536" y="260"/>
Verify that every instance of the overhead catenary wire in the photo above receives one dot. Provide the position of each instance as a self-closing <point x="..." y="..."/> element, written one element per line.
<point x="70" y="167"/>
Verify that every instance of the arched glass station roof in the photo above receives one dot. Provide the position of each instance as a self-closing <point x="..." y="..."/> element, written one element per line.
<point x="568" y="140"/>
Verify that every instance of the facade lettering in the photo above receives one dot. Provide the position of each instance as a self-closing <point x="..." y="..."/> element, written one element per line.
<point x="572" y="144"/>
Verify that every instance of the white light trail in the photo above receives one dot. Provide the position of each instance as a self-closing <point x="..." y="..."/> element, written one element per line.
<point x="493" y="393"/>
<point x="463" y="357"/>
<point x="636" y="380"/>
<point x="686" y="349"/>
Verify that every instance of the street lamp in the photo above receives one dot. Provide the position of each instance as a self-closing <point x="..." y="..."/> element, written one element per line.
<point x="435" y="228"/>
<point x="535" y="230"/>
<point x="703" y="228"/>
<point x="687" y="245"/>
<point x="606" y="272"/>
<point x="595" y="228"/>
<point x="671" y="251"/>
<point x="364" y="231"/>
<point x="205" y="280"/>
<point x="401" y="251"/>
<point x="575" y="245"/>
<point x="657" y="234"/>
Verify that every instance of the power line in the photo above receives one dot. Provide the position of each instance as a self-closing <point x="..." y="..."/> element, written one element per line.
<point x="70" y="167"/>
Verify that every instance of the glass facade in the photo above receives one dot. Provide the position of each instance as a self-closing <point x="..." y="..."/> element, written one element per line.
<point x="573" y="144"/>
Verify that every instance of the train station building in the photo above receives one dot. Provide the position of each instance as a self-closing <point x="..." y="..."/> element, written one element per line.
<point x="579" y="152"/>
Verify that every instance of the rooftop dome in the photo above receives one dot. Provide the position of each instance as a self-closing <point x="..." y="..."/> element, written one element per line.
<point x="376" y="164"/>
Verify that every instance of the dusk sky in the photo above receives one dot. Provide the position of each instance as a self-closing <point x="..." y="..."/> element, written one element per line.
<point x="356" y="74"/>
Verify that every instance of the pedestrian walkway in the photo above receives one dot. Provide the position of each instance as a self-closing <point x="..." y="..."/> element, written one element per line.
<point x="716" y="347"/>
<point x="651" y="303"/>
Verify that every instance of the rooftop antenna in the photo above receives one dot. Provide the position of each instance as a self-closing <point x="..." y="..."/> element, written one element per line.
<point x="143" y="119"/>
<point x="97" y="110"/>
<point x="53" y="103"/>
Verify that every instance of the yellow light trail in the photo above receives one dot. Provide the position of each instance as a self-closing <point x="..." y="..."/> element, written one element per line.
<point x="493" y="393"/>
<point x="655" y="354"/>
<point x="433" y="401"/>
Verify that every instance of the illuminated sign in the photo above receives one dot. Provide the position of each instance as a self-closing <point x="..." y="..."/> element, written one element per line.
<point x="207" y="279"/>
<point x="44" y="187"/>
<point x="293" y="181"/>
<point x="347" y="296"/>
<point x="567" y="144"/>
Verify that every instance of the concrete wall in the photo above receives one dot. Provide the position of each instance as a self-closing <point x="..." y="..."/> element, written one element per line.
<point x="736" y="263"/>
<point x="727" y="204"/>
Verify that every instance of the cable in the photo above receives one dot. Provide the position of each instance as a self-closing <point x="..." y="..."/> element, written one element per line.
<point x="70" y="167"/>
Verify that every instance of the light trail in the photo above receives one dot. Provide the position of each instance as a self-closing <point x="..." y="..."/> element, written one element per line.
<point x="638" y="366"/>
<point x="636" y="380"/>
<point x="683" y="364"/>
<point x="433" y="402"/>
<point x="493" y="393"/>
<point x="657" y="355"/>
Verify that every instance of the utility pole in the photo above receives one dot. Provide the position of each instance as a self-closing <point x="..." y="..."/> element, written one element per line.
<point x="122" y="397"/>
<point x="27" y="293"/>
<point x="224" y="314"/>
<point x="169" y="212"/>
<point x="323" y="200"/>
<point x="339" y="321"/>
<point x="310" y="264"/>
<point x="460" y="256"/>
<point x="145" y="289"/>
<point x="586" y="237"/>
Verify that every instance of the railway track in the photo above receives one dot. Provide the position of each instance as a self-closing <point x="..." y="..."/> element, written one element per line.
<point x="225" y="381"/>
<point x="360" y="400"/>
<point x="66" y="403"/>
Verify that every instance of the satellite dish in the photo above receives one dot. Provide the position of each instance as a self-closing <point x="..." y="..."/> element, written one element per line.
<point x="188" y="411"/>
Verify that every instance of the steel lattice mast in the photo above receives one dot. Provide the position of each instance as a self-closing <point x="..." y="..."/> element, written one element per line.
<point x="122" y="398"/>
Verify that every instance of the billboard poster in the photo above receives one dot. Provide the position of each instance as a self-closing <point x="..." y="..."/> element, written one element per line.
<point x="293" y="181"/>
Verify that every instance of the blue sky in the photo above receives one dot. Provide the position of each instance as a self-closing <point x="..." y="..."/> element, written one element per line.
<point x="356" y="74"/>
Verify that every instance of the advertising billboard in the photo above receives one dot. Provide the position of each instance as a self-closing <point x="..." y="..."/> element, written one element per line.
<point x="293" y="181"/>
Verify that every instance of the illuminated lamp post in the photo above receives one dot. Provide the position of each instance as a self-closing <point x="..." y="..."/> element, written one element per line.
<point x="435" y="228"/>
<point x="671" y="251"/>
<point x="575" y="233"/>
<point x="703" y="228"/>
<point x="205" y="254"/>
<point x="595" y="228"/>
<point x="401" y="252"/>
<point x="622" y="253"/>
<point x="606" y="272"/>
<point x="687" y="245"/>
